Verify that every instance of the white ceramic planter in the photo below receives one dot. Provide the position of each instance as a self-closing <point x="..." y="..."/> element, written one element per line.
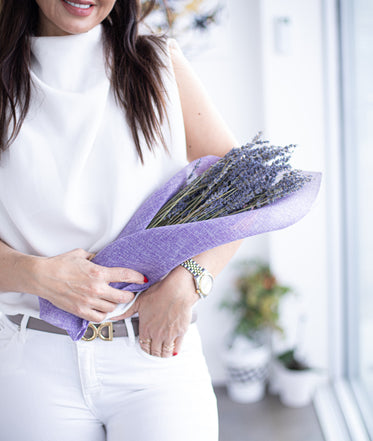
<point x="247" y="370"/>
<point x="295" y="388"/>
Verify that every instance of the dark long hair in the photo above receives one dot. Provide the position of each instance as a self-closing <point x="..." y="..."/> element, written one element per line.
<point x="135" y="61"/>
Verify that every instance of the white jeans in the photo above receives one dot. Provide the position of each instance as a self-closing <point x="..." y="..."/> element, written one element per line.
<point x="54" y="389"/>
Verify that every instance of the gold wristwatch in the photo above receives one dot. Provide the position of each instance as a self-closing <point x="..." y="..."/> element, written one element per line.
<point x="202" y="278"/>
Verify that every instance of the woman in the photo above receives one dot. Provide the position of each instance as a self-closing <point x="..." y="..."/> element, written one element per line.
<point x="94" y="117"/>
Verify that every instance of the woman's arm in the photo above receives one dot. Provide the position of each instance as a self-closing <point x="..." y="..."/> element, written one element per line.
<point x="69" y="281"/>
<point x="206" y="131"/>
<point x="165" y="308"/>
<point x="16" y="270"/>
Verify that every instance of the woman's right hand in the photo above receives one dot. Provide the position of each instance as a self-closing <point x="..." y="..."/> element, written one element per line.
<point x="75" y="284"/>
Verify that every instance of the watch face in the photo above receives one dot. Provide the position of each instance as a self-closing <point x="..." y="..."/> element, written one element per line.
<point x="205" y="284"/>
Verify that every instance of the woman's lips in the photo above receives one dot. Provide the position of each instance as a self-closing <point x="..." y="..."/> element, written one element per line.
<point x="79" y="8"/>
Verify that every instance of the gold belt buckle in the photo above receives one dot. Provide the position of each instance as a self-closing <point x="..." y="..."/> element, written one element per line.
<point x="97" y="331"/>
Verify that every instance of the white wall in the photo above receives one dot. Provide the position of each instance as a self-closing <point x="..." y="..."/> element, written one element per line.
<point x="255" y="88"/>
<point x="230" y="67"/>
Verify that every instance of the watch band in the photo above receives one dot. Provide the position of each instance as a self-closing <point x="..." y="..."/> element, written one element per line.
<point x="192" y="266"/>
<point x="203" y="280"/>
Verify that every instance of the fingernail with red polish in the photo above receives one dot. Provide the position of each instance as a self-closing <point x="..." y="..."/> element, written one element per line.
<point x="175" y="353"/>
<point x="146" y="279"/>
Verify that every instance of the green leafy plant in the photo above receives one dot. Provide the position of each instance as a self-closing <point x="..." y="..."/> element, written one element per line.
<point x="257" y="300"/>
<point x="290" y="361"/>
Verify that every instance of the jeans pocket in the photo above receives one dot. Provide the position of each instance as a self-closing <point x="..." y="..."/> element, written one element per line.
<point x="190" y="344"/>
<point x="156" y="359"/>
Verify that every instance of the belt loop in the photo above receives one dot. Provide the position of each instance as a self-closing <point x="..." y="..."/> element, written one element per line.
<point x="22" y="328"/>
<point x="130" y="331"/>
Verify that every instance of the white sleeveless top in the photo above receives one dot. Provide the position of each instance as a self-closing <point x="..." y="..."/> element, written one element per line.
<point x="72" y="178"/>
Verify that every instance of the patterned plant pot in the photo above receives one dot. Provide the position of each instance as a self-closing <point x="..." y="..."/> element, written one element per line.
<point x="247" y="370"/>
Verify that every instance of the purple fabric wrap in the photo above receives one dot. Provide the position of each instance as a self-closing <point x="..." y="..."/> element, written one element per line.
<point x="155" y="252"/>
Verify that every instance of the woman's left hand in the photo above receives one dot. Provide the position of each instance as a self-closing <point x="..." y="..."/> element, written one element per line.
<point x="165" y="311"/>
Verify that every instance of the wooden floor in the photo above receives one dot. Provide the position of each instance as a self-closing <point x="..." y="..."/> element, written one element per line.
<point x="266" y="420"/>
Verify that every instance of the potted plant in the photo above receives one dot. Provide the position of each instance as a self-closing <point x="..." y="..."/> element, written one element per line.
<point x="256" y="309"/>
<point x="293" y="379"/>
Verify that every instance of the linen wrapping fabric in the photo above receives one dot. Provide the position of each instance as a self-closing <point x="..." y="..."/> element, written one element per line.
<point x="155" y="252"/>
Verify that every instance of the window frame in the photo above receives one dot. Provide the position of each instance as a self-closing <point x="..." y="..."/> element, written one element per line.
<point x="341" y="405"/>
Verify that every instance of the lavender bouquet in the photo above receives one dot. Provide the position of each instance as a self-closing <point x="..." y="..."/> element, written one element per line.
<point x="251" y="190"/>
<point x="246" y="178"/>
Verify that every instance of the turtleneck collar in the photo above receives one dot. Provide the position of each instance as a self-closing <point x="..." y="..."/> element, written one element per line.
<point x="71" y="63"/>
